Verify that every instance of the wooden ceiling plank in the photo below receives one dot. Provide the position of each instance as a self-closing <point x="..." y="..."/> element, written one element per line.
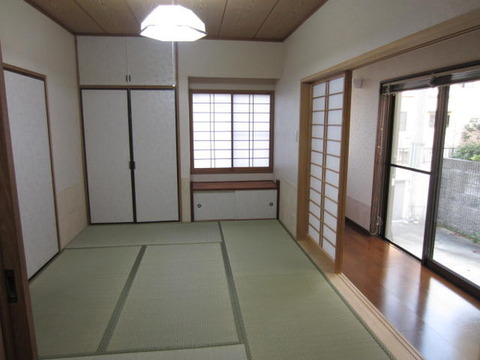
<point x="141" y="8"/>
<point x="209" y="11"/>
<point x="68" y="15"/>
<point x="222" y="19"/>
<point x="287" y="17"/>
<point x="114" y="16"/>
<point x="266" y="18"/>
<point x="244" y="17"/>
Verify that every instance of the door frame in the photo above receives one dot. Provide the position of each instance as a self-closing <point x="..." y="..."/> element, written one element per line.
<point x="16" y="319"/>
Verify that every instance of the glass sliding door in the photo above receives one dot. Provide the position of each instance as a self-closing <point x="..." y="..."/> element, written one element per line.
<point x="457" y="230"/>
<point x="410" y="168"/>
<point x="430" y="151"/>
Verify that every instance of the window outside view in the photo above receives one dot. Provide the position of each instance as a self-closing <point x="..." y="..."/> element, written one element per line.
<point x="412" y="144"/>
<point x="457" y="238"/>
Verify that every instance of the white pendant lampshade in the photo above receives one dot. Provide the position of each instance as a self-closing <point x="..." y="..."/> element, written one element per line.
<point x="173" y="23"/>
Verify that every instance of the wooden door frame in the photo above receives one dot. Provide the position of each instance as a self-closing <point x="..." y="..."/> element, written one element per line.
<point x="16" y="318"/>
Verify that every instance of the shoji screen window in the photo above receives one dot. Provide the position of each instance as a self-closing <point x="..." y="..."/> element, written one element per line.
<point x="231" y="131"/>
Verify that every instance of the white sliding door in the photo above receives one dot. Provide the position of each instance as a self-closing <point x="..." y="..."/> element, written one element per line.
<point x="154" y="147"/>
<point x="107" y="149"/>
<point x="26" y="103"/>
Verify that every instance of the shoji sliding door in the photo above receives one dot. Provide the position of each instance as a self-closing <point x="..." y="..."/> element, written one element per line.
<point x="107" y="151"/>
<point x="27" y="111"/>
<point x="324" y="166"/>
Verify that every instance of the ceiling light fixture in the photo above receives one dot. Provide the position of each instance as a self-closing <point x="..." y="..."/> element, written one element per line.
<point x="173" y="23"/>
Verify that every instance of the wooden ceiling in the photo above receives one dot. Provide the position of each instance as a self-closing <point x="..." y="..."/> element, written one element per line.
<point x="268" y="20"/>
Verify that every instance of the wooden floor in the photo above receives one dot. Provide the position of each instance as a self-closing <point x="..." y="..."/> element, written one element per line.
<point x="441" y="321"/>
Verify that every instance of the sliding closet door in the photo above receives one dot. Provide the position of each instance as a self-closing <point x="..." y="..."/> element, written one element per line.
<point x="107" y="151"/>
<point x="154" y="147"/>
<point x="26" y="103"/>
<point x="327" y="168"/>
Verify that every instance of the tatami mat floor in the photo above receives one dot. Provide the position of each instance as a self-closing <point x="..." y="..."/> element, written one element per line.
<point x="230" y="290"/>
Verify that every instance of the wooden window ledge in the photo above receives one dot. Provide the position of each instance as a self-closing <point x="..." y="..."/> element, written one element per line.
<point x="234" y="185"/>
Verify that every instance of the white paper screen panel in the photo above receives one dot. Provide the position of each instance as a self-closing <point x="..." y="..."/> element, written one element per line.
<point x="154" y="148"/>
<point x="231" y="130"/>
<point x="325" y="162"/>
<point x="27" y="114"/>
<point x="107" y="149"/>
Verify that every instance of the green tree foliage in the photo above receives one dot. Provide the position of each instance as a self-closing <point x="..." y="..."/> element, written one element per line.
<point x="470" y="148"/>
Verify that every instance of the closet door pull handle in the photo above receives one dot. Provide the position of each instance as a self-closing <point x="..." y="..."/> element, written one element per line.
<point x="12" y="296"/>
<point x="132" y="165"/>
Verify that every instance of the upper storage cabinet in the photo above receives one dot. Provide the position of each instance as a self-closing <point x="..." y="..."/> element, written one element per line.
<point x="124" y="61"/>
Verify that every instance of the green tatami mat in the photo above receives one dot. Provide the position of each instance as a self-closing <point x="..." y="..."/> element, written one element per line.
<point x="179" y="299"/>
<point x="230" y="352"/>
<point x="290" y="311"/>
<point x="74" y="297"/>
<point x="260" y="248"/>
<point x="146" y="234"/>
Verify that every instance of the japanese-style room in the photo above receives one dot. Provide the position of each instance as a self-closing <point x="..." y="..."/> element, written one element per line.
<point x="239" y="179"/>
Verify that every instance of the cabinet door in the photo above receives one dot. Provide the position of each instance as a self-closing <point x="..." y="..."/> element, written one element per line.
<point x="155" y="152"/>
<point x="33" y="172"/>
<point x="256" y="204"/>
<point x="107" y="149"/>
<point x="102" y="60"/>
<point x="150" y="62"/>
<point x="214" y="205"/>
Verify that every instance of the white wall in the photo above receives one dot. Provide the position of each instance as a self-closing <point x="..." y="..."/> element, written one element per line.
<point x="339" y="31"/>
<point x="215" y="59"/>
<point x="364" y="110"/>
<point x="32" y="41"/>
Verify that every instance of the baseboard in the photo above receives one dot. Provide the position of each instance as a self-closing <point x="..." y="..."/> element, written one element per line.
<point x="357" y="227"/>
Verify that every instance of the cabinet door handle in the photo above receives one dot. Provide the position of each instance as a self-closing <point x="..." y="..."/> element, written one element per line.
<point x="271" y="204"/>
<point x="199" y="206"/>
<point x="126" y="78"/>
<point x="129" y="78"/>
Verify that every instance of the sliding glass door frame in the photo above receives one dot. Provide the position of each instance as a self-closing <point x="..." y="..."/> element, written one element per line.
<point x="383" y="157"/>
<point x="441" y="124"/>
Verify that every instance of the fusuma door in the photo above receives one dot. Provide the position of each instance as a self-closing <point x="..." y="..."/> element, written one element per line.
<point x="131" y="157"/>
<point x="107" y="152"/>
<point x="154" y="150"/>
<point x="27" y="111"/>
